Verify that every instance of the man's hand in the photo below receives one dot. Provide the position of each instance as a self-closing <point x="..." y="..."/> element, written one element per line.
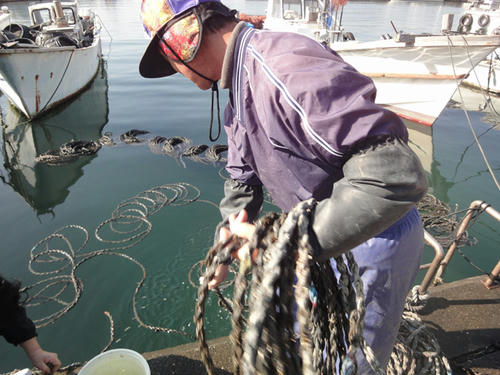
<point x="237" y="225"/>
<point x="39" y="357"/>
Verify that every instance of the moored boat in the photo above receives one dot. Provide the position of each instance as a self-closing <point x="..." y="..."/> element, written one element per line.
<point x="415" y="75"/>
<point x="50" y="61"/>
<point x="82" y="118"/>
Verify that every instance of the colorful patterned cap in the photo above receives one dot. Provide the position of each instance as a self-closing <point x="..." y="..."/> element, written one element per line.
<point x="155" y="14"/>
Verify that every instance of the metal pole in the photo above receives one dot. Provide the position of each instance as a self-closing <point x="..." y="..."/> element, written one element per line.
<point x="491" y="282"/>
<point x="461" y="229"/>
<point x="429" y="276"/>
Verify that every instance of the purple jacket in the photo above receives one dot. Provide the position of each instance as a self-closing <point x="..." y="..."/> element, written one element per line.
<point x="296" y="109"/>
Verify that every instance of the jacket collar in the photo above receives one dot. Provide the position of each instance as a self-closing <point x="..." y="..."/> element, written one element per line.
<point x="228" y="62"/>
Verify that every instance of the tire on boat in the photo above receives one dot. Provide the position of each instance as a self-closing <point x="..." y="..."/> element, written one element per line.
<point x="19" y="31"/>
<point x="465" y="23"/>
<point x="484" y="20"/>
<point x="3" y="38"/>
<point x="8" y="35"/>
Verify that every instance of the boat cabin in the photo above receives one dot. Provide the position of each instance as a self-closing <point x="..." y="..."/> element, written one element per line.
<point x="57" y="17"/>
<point x="295" y="10"/>
<point x="318" y="19"/>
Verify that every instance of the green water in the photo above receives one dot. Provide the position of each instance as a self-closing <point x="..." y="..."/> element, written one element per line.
<point x="36" y="200"/>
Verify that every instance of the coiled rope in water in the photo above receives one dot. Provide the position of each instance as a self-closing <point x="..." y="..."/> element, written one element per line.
<point x="333" y="322"/>
<point x="58" y="256"/>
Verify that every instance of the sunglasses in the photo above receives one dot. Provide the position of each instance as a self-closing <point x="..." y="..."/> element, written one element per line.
<point x="180" y="38"/>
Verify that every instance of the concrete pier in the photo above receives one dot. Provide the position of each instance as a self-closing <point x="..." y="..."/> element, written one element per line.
<point x="464" y="316"/>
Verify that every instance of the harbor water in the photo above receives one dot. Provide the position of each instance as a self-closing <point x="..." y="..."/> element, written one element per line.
<point x="36" y="199"/>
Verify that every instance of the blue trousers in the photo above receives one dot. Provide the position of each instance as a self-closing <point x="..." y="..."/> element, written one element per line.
<point x="388" y="265"/>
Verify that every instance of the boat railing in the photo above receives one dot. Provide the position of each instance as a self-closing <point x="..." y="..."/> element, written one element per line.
<point x="441" y="260"/>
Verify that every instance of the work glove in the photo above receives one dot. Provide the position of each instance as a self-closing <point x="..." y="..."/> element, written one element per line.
<point x="381" y="183"/>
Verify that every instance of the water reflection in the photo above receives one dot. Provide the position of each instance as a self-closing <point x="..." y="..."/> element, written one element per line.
<point x="422" y="143"/>
<point x="45" y="186"/>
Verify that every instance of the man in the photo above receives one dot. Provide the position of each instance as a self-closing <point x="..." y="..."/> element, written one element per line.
<point x="303" y="123"/>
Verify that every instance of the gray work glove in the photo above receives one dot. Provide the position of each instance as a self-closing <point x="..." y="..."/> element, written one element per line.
<point x="381" y="184"/>
<point x="238" y="196"/>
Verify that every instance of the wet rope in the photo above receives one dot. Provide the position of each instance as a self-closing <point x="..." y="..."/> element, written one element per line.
<point x="443" y="223"/>
<point x="176" y="147"/>
<point x="438" y="218"/>
<point x="265" y="342"/>
<point x="416" y="350"/>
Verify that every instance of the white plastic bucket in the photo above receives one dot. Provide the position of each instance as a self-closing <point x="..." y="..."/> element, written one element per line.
<point x="117" y="362"/>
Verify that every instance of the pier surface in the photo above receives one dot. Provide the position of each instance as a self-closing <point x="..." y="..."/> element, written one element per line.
<point x="464" y="316"/>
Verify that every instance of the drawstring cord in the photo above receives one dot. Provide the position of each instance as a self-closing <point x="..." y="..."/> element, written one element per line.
<point x="215" y="90"/>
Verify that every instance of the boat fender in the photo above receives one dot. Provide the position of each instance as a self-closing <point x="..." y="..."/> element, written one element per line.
<point x="465" y="23"/>
<point x="484" y="20"/>
<point x="466" y="19"/>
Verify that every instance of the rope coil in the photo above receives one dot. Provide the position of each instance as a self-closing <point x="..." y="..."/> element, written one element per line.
<point x="266" y="342"/>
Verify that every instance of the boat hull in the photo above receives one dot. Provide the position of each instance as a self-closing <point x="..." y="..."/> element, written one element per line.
<point x="416" y="75"/>
<point x="486" y="76"/>
<point x="37" y="79"/>
<point x="417" y="81"/>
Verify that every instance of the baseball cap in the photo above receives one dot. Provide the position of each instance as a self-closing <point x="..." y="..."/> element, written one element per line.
<point x="155" y="15"/>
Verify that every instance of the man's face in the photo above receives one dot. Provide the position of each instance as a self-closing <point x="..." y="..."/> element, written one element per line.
<point x="202" y="83"/>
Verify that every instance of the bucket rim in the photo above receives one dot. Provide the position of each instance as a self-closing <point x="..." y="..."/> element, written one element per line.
<point x="131" y="352"/>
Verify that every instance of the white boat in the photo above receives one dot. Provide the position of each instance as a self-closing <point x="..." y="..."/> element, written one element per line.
<point x="52" y="60"/>
<point x="81" y="118"/>
<point x="415" y="75"/>
<point x="483" y="17"/>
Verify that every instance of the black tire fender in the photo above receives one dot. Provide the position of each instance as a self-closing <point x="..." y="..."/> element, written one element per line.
<point x="484" y="20"/>
<point x="466" y="20"/>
